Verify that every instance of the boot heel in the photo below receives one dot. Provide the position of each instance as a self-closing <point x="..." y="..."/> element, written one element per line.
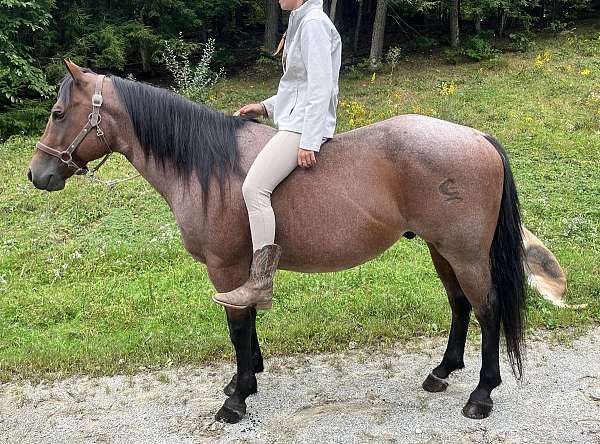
<point x="266" y="305"/>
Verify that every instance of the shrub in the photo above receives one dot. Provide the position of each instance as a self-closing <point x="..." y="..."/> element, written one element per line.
<point x="478" y="48"/>
<point x="193" y="82"/>
<point x="522" y="41"/>
<point x="393" y="57"/>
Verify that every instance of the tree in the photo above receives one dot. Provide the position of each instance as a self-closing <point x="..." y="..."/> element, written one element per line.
<point x="333" y="10"/>
<point x="378" y="33"/>
<point x="454" y="13"/>
<point x="271" y="24"/>
<point x="357" y="26"/>
<point x="20" y="22"/>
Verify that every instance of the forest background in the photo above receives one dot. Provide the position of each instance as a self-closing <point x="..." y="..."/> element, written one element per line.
<point x="129" y="37"/>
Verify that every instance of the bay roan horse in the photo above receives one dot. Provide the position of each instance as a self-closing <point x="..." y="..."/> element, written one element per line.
<point x="449" y="184"/>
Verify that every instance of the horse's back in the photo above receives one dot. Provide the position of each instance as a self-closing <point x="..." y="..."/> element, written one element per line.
<point x="370" y="185"/>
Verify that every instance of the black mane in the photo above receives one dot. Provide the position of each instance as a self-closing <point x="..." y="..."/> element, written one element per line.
<point x="192" y="137"/>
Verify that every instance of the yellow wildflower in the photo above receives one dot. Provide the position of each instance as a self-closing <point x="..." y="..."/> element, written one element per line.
<point x="586" y="72"/>
<point x="448" y="88"/>
<point x="542" y="59"/>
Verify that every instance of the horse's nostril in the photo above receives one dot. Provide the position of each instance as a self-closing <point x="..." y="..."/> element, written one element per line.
<point x="29" y="175"/>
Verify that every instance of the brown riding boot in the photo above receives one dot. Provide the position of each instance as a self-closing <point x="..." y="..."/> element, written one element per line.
<point x="258" y="289"/>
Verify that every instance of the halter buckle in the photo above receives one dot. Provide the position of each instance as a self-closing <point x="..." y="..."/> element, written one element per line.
<point x="66" y="157"/>
<point x="97" y="100"/>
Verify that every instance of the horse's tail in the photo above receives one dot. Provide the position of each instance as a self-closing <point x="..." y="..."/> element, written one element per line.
<point x="506" y="260"/>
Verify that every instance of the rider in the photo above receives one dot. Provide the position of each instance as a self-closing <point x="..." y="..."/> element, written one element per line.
<point x="304" y="111"/>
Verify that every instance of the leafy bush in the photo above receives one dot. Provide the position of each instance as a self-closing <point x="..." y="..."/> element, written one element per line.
<point x="522" y="41"/>
<point x="193" y="82"/>
<point x="557" y="26"/>
<point x="393" y="57"/>
<point x="423" y="42"/>
<point x="28" y="119"/>
<point x="478" y="48"/>
<point x="20" y="21"/>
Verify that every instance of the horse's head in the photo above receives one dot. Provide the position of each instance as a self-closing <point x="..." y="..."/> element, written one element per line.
<point x="74" y="133"/>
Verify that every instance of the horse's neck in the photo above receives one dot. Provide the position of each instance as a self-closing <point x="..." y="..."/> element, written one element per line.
<point x="164" y="180"/>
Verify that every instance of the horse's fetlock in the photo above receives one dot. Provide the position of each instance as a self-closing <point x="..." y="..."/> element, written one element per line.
<point x="246" y="384"/>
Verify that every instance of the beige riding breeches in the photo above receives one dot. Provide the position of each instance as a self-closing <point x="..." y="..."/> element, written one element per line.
<point x="274" y="163"/>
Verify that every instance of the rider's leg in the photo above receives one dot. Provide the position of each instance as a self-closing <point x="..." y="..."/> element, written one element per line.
<point x="275" y="162"/>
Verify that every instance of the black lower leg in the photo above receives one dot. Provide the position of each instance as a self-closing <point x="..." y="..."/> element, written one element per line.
<point x="241" y="324"/>
<point x="461" y="311"/>
<point x="257" y="360"/>
<point x="480" y="403"/>
<point x="453" y="357"/>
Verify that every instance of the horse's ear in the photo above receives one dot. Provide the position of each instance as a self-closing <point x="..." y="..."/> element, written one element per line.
<point x="74" y="70"/>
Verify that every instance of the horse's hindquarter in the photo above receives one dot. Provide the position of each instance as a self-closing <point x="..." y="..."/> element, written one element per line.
<point x="409" y="173"/>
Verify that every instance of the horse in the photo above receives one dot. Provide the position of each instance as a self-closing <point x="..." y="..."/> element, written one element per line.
<point x="409" y="175"/>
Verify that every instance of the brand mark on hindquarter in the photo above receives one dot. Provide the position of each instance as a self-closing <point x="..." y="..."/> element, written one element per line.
<point x="448" y="188"/>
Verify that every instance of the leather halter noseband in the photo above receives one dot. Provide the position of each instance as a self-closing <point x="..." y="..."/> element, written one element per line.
<point x="94" y="119"/>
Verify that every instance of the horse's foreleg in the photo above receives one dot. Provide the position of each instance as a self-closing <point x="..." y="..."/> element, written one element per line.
<point x="257" y="360"/>
<point x="242" y="331"/>
<point x="241" y="324"/>
<point x="461" y="310"/>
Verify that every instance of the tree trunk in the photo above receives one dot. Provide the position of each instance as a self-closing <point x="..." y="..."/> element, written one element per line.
<point x="501" y="23"/>
<point x="357" y="27"/>
<point x="454" y="11"/>
<point x="477" y="21"/>
<point x="333" y="10"/>
<point x="145" y="56"/>
<point x="271" y="25"/>
<point x="378" y="33"/>
<point x="542" y="12"/>
<point x="556" y="10"/>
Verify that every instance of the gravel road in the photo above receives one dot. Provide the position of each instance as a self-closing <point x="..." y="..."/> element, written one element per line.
<point x="363" y="395"/>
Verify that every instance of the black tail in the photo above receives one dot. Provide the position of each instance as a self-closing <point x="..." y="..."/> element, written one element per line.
<point x="506" y="260"/>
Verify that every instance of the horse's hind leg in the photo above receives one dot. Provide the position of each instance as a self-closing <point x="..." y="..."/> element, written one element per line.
<point x="475" y="280"/>
<point x="461" y="310"/>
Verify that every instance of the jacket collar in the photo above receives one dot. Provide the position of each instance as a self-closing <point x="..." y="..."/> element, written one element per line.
<point x="308" y="5"/>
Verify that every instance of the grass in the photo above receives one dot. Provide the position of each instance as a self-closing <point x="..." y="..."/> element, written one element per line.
<point x="96" y="280"/>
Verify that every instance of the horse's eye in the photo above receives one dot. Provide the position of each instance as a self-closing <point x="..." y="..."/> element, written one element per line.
<point x="58" y="115"/>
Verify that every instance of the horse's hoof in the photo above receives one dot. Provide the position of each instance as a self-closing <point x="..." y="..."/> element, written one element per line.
<point x="477" y="409"/>
<point x="231" y="412"/>
<point x="229" y="389"/>
<point x="434" y="384"/>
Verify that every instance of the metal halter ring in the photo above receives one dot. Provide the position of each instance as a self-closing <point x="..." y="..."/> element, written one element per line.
<point x="66" y="157"/>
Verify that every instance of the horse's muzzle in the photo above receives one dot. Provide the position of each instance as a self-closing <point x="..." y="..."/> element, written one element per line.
<point x="48" y="182"/>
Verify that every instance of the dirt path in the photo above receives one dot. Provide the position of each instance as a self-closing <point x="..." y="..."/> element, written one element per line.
<point x="363" y="395"/>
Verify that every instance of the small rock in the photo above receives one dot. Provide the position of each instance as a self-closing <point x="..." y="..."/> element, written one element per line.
<point x="216" y="425"/>
<point x="352" y="345"/>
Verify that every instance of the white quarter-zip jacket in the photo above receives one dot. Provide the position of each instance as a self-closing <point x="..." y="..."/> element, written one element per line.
<point x="307" y="95"/>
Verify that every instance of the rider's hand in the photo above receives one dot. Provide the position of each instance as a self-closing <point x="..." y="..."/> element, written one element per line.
<point x="253" y="110"/>
<point x="306" y="158"/>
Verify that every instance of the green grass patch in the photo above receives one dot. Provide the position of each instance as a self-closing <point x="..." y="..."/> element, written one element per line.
<point x="96" y="280"/>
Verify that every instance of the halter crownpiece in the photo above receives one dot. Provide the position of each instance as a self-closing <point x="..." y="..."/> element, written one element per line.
<point x="94" y="119"/>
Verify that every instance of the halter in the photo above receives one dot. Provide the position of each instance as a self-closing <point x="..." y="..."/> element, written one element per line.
<point x="94" y="119"/>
